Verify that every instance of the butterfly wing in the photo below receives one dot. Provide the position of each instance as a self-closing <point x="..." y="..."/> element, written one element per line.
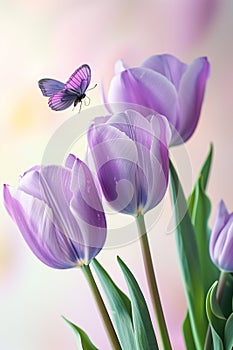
<point x="50" y="87"/>
<point x="61" y="100"/>
<point x="79" y="80"/>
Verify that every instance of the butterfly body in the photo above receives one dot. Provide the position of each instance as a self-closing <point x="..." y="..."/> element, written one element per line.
<point x="61" y="95"/>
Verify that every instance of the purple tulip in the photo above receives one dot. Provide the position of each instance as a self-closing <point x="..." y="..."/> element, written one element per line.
<point x="221" y="239"/>
<point x="130" y="154"/>
<point x="59" y="213"/>
<point x="167" y="86"/>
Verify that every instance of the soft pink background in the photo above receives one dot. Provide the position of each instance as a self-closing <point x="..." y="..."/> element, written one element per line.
<point x="52" y="38"/>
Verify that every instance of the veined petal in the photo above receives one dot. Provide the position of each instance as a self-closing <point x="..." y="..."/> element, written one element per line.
<point x="29" y="182"/>
<point x="55" y="182"/>
<point x="35" y="221"/>
<point x="116" y="158"/>
<point x="221" y="219"/>
<point x="225" y="251"/>
<point x="191" y="94"/>
<point x="134" y="125"/>
<point x="145" y="87"/>
<point x="167" y="65"/>
<point x="120" y="66"/>
<point x="88" y="210"/>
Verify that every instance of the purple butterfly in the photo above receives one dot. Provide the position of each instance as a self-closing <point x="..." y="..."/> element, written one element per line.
<point x="61" y="95"/>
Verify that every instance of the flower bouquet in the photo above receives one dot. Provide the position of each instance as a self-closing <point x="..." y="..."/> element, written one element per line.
<point x="60" y="212"/>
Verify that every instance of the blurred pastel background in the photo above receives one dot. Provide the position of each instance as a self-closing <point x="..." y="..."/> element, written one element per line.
<point x="50" y="39"/>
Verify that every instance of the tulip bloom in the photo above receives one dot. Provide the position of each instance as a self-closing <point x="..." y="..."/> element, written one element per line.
<point x="59" y="213"/>
<point x="167" y="86"/>
<point x="221" y="239"/>
<point x="130" y="154"/>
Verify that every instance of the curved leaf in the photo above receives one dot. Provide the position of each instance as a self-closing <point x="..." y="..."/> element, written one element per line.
<point x="144" y="332"/>
<point x="228" y="333"/>
<point x="199" y="209"/>
<point x="188" y="334"/>
<point x="84" y="342"/>
<point x="120" y="308"/>
<point x="189" y="262"/>
<point x="215" y="316"/>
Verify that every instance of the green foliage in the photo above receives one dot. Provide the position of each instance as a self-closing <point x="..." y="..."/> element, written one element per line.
<point x="199" y="209"/>
<point x="228" y="333"/>
<point x="189" y="262"/>
<point x="120" y="307"/>
<point x="83" y="340"/>
<point x="193" y="233"/>
<point x="130" y="317"/>
<point x="144" y="332"/>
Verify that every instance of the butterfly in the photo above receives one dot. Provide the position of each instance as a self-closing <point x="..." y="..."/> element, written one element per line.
<point x="62" y="96"/>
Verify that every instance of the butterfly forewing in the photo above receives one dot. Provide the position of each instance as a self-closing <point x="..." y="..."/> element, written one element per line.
<point x="80" y="79"/>
<point x="61" y="100"/>
<point x="50" y="87"/>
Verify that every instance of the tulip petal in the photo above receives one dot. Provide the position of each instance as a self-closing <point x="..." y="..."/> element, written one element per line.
<point x="120" y="66"/>
<point x="135" y="126"/>
<point x="145" y="87"/>
<point x="159" y="161"/>
<point x="55" y="182"/>
<point x="167" y="65"/>
<point x="88" y="210"/>
<point x="35" y="221"/>
<point x="191" y="94"/>
<point x="30" y="182"/>
<point x="115" y="157"/>
<point x="221" y="239"/>
<point x="225" y="254"/>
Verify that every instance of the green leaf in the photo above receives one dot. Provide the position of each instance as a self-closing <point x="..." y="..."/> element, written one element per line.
<point x="204" y="174"/>
<point x="144" y="332"/>
<point x="215" y="316"/>
<point x="200" y="216"/>
<point x="217" y="341"/>
<point x="199" y="209"/>
<point x="120" y="307"/>
<point x="189" y="261"/>
<point x="228" y="333"/>
<point x="84" y="342"/>
<point x="188" y="334"/>
<point x="205" y="170"/>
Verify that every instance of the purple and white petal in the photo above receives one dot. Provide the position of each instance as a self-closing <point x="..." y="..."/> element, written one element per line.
<point x="191" y="94"/>
<point x="88" y="210"/>
<point x="142" y="86"/>
<point x="115" y="157"/>
<point x="168" y="66"/>
<point x="35" y="221"/>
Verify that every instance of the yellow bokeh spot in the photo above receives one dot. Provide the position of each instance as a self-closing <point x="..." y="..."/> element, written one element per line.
<point x="22" y="115"/>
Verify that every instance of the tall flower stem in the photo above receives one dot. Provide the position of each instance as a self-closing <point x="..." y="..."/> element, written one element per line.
<point x="102" y="308"/>
<point x="151" y="280"/>
<point x="219" y="293"/>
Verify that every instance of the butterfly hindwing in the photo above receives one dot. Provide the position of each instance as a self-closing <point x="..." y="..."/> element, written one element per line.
<point x="61" y="100"/>
<point x="50" y="87"/>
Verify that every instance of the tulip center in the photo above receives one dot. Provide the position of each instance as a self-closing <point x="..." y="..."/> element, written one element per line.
<point x="80" y="262"/>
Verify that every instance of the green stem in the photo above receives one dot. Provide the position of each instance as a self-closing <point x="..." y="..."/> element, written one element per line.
<point x="151" y="280"/>
<point x="221" y="285"/>
<point x="219" y="293"/>
<point x="102" y="308"/>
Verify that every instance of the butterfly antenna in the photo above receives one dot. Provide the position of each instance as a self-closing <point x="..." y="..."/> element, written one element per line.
<point x="92" y="87"/>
